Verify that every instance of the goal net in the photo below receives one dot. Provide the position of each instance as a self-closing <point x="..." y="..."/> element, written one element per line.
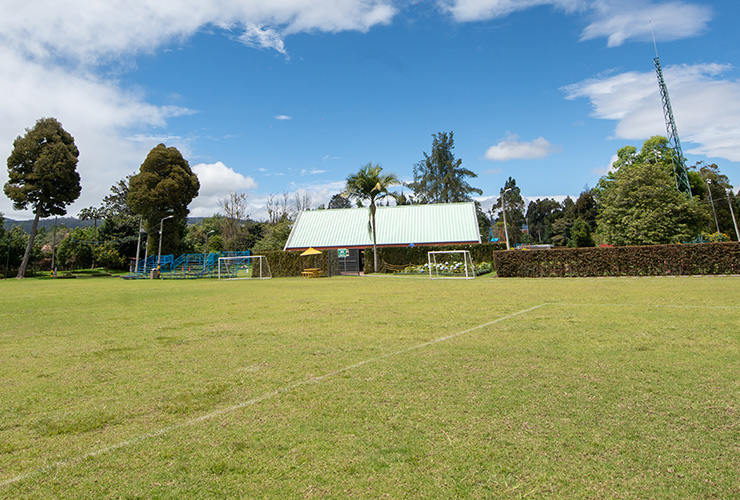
<point x="450" y="264"/>
<point x="244" y="267"/>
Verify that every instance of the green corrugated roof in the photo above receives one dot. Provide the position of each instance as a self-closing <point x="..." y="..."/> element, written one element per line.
<point x="400" y="225"/>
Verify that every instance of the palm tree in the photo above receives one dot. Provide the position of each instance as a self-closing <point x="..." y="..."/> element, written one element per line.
<point x="371" y="185"/>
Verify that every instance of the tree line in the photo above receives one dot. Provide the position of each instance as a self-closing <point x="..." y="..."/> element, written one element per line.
<point x="635" y="203"/>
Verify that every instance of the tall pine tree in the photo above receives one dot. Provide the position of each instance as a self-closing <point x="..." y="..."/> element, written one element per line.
<point x="440" y="177"/>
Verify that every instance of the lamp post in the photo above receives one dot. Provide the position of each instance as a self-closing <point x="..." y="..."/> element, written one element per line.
<point x="159" y="251"/>
<point x="146" y="251"/>
<point x="205" y="249"/>
<point x="503" y="208"/>
<point x="732" y="213"/>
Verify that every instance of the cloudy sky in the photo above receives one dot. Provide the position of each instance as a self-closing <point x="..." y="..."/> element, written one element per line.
<point x="274" y="96"/>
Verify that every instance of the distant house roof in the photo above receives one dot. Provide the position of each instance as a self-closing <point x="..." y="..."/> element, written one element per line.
<point x="442" y="224"/>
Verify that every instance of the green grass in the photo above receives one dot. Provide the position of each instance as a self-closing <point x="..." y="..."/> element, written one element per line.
<point x="334" y="388"/>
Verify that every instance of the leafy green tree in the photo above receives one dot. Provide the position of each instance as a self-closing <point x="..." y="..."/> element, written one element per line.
<point x="77" y="250"/>
<point x="275" y="237"/>
<point x="715" y="194"/>
<point x="13" y="246"/>
<point x="107" y="256"/>
<point x="586" y="209"/>
<point x="440" y="177"/>
<point x="640" y="204"/>
<point x="42" y="173"/>
<point x="484" y="222"/>
<point x="371" y="185"/>
<point x="511" y="197"/>
<point x="164" y="186"/>
<point x="655" y="150"/>
<point x="216" y="244"/>
<point x="580" y="234"/>
<point x="339" y="201"/>
<point x="540" y="215"/>
<point x="562" y="221"/>
<point x="116" y="203"/>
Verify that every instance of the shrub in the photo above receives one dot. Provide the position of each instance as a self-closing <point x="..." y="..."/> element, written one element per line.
<point x="651" y="260"/>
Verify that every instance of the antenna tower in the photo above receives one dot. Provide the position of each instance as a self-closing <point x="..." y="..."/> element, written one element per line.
<point x="679" y="163"/>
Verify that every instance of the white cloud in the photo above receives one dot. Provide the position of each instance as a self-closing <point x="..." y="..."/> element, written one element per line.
<point x="216" y="181"/>
<point x="705" y="106"/>
<point x="619" y="23"/>
<point x="50" y="52"/>
<point x="319" y="194"/>
<point x="616" y="20"/>
<point x="512" y="149"/>
<point x="262" y="38"/>
<point x="95" y="112"/>
<point x="481" y="10"/>
<point x="86" y="32"/>
<point x="609" y="168"/>
<point x="283" y="117"/>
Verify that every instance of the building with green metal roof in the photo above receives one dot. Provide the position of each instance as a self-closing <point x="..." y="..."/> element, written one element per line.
<point x="404" y="225"/>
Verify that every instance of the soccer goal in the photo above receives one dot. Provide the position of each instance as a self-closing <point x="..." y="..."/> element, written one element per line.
<point x="244" y="267"/>
<point x="450" y="264"/>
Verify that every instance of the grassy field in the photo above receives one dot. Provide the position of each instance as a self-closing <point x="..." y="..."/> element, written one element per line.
<point x="370" y="387"/>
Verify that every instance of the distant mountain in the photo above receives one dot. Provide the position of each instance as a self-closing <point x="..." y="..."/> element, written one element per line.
<point x="69" y="222"/>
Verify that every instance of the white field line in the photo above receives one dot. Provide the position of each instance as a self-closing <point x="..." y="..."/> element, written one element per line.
<point x="646" y="306"/>
<point x="250" y="402"/>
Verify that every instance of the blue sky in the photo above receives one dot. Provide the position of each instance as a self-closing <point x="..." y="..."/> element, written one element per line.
<point x="286" y="96"/>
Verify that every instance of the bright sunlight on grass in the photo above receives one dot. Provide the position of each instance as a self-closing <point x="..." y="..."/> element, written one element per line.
<point x="370" y="387"/>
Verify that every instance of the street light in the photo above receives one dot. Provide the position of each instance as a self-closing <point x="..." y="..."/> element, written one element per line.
<point x="503" y="208"/>
<point x="159" y="251"/>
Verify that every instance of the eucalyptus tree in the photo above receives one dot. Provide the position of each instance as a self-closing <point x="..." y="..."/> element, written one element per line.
<point x="371" y="185"/>
<point x="42" y="173"/>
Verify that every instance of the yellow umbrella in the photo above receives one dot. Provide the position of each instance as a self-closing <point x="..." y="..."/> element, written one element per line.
<point x="311" y="251"/>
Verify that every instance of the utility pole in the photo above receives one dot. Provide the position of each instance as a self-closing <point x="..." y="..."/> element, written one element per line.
<point x="138" y="244"/>
<point x="503" y="208"/>
<point x="732" y="213"/>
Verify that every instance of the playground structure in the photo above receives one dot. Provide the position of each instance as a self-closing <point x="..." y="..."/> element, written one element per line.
<point x="186" y="266"/>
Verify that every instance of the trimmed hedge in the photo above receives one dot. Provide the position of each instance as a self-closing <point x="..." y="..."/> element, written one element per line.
<point x="283" y="264"/>
<point x="417" y="255"/>
<point x="652" y="260"/>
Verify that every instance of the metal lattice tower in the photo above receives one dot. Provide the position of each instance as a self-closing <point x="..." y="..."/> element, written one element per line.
<point x="679" y="163"/>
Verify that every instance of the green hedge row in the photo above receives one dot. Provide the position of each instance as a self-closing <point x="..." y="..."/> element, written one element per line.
<point x="417" y="255"/>
<point x="284" y="264"/>
<point x="653" y="260"/>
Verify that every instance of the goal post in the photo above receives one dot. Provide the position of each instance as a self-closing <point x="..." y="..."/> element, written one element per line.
<point x="450" y="264"/>
<point x="244" y="267"/>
